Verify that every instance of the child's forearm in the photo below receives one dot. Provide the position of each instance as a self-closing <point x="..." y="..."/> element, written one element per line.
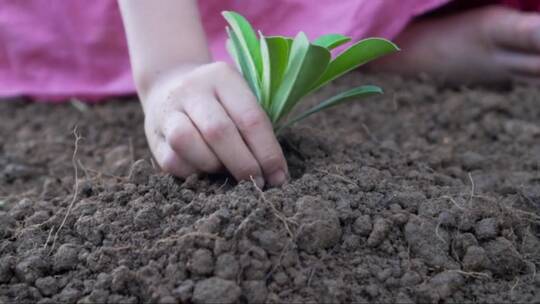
<point x="162" y="36"/>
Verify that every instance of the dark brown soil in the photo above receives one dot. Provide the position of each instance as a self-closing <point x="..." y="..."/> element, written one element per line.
<point x="426" y="194"/>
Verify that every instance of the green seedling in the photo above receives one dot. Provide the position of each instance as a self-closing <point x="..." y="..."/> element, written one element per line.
<point x="281" y="70"/>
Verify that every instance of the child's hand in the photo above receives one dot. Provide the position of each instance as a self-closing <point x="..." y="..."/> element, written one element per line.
<point x="206" y="119"/>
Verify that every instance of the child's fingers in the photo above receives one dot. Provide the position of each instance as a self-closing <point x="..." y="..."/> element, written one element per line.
<point x="170" y="162"/>
<point x="187" y="142"/>
<point x="523" y="64"/>
<point x="515" y="31"/>
<point x="220" y="133"/>
<point x="254" y="126"/>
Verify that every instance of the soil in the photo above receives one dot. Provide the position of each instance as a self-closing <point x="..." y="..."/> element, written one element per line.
<point x="426" y="194"/>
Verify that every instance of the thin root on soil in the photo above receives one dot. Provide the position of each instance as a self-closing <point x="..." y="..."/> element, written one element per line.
<point x="75" y="189"/>
<point x="276" y="212"/>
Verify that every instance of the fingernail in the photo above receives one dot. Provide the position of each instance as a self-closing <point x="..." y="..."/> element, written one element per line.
<point x="277" y="178"/>
<point x="259" y="181"/>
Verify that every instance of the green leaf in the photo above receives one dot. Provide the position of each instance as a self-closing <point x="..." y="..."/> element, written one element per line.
<point x="244" y="60"/>
<point x="353" y="94"/>
<point x="247" y="38"/>
<point x="275" y="55"/>
<point x="232" y="52"/>
<point x="266" y="80"/>
<point x="305" y="65"/>
<point x="279" y="49"/>
<point x="358" y="54"/>
<point x="331" y="41"/>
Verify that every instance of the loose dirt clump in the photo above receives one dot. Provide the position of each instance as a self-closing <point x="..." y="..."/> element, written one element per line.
<point x="427" y="194"/>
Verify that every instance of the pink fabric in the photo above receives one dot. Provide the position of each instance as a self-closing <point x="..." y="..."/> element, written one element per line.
<point x="57" y="49"/>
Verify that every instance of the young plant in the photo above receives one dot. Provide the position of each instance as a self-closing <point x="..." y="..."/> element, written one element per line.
<point x="281" y="70"/>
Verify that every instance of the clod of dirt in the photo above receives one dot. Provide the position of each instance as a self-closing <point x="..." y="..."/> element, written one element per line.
<point x="254" y="291"/>
<point x="38" y="217"/>
<point x="216" y="290"/>
<point x="447" y="219"/>
<point x="6" y="268"/>
<point x="103" y="281"/>
<point x="463" y="241"/>
<point x="52" y="187"/>
<point x="95" y="296"/>
<point x="319" y="224"/>
<point x="7" y="225"/>
<point x="428" y="242"/>
<point x="471" y="161"/>
<point x="408" y="200"/>
<point x="227" y="266"/>
<point x="69" y="295"/>
<point x="475" y="259"/>
<point x="147" y="218"/>
<point x="381" y="227"/>
<point x="12" y="172"/>
<point x="504" y="259"/>
<point x="362" y="225"/>
<point x="254" y="261"/>
<point x="269" y="240"/>
<point x="117" y="160"/>
<point x="87" y="227"/>
<point x="66" y="258"/>
<point x="521" y="129"/>
<point x="410" y="278"/>
<point x="139" y="172"/>
<point x="201" y="262"/>
<point x="48" y="286"/>
<point x="24" y="208"/>
<point x="123" y="281"/>
<point x="31" y="268"/>
<point x="441" y="286"/>
<point x="486" y="228"/>
<point x="184" y="291"/>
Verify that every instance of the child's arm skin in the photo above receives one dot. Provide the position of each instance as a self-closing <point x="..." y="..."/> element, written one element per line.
<point x="200" y="116"/>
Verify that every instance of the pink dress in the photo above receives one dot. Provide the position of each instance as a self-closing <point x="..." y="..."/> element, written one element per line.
<point x="57" y="49"/>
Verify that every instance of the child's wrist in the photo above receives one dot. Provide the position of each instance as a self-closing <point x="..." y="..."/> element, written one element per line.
<point x="150" y="85"/>
<point x="147" y="81"/>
